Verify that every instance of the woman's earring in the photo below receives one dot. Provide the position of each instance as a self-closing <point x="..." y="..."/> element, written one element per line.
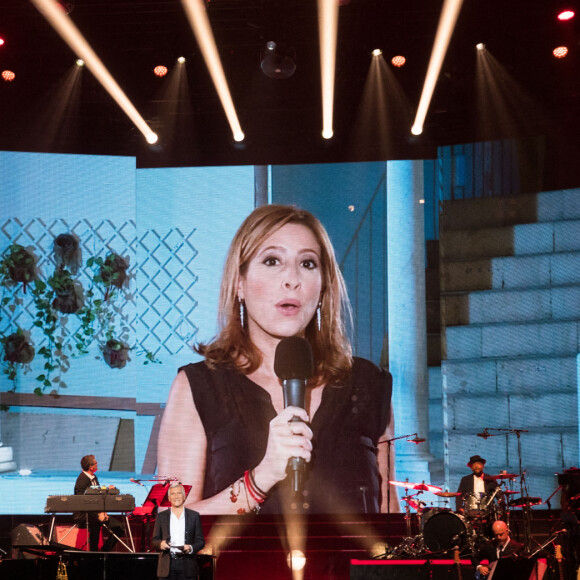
<point x="318" y="317"/>
<point x="242" y="309"/>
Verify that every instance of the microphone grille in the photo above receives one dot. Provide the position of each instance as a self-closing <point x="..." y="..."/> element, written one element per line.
<point x="293" y="359"/>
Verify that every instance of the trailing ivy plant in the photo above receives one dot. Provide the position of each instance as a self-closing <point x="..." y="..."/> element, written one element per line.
<point x="18" y="265"/>
<point x="99" y="310"/>
<point x="18" y="350"/>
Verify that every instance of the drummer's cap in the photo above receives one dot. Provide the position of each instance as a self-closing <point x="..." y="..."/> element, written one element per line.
<point x="475" y="459"/>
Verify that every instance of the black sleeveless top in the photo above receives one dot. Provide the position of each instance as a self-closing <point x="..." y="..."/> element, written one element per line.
<point x="342" y="476"/>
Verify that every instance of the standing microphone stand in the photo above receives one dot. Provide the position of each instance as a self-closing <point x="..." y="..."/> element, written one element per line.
<point x="389" y="442"/>
<point x="526" y="509"/>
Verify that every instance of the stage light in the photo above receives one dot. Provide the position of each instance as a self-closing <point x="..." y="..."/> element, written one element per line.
<point x="72" y="36"/>
<point x="379" y="549"/>
<point x="480" y="46"/>
<point x="296" y="560"/>
<point x="566" y="15"/>
<point x="560" y="51"/>
<point x="181" y="60"/>
<point x="350" y="208"/>
<point x="1" y="41"/>
<point x="152" y="138"/>
<point x="199" y="22"/>
<point x="398" y="61"/>
<point x="277" y="63"/>
<point x="327" y="35"/>
<point x="377" y="52"/>
<point x="447" y="20"/>
<point x="160" y="70"/>
<point x="239" y="136"/>
<point x="80" y="62"/>
<point x="25" y="472"/>
<point x="8" y="75"/>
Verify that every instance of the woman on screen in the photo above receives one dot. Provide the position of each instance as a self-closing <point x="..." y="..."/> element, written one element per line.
<point x="225" y="430"/>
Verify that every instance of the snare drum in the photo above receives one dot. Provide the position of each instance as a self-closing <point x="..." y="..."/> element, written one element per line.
<point x="444" y="529"/>
<point x="475" y="504"/>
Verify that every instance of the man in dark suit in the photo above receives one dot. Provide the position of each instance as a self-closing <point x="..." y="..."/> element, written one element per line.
<point x="87" y="478"/>
<point x="178" y="536"/>
<point x="478" y="484"/>
<point x="502" y="546"/>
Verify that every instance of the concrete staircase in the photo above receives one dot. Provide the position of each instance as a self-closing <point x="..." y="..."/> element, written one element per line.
<point x="510" y="306"/>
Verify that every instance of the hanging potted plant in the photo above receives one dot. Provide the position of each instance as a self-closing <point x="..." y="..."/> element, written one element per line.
<point x="113" y="272"/>
<point x="18" y="266"/>
<point x="18" y="350"/>
<point x="116" y="353"/>
<point x="69" y="292"/>
<point x="67" y="252"/>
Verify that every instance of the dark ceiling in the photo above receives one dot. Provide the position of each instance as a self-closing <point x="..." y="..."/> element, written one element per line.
<point x="282" y="118"/>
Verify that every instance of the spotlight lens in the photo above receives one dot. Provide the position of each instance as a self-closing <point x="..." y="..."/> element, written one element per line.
<point x="271" y="45"/>
<point x="296" y="560"/>
<point x="239" y="136"/>
<point x="8" y="75"/>
<point x="80" y="62"/>
<point x="160" y="71"/>
<point x="566" y="15"/>
<point x="398" y="61"/>
<point x="327" y="133"/>
<point x="560" y="51"/>
<point x="416" y="130"/>
<point x="181" y="60"/>
<point x="1" y="41"/>
<point x="377" y="52"/>
<point x="152" y="138"/>
<point x="480" y="46"/>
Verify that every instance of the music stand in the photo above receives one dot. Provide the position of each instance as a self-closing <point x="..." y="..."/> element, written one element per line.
<point x="513" y="569"/>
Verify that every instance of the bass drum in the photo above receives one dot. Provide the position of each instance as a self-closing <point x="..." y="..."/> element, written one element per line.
<point x="444" y="530"/>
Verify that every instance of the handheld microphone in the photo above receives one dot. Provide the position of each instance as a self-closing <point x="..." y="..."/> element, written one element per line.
<point x="294" y="364"/>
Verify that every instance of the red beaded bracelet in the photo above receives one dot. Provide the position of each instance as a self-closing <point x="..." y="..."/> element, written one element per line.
<point x="250" y="489"/>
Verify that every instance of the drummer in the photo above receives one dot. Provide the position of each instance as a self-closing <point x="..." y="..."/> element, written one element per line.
<point x="477" y="483"/>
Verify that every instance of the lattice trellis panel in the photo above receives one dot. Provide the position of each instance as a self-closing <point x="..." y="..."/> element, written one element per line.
<point x="165" y="284"/>
<point x="159" y="301"/>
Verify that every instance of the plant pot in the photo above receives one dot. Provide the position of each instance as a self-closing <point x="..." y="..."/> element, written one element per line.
<point x="17" y="350"/>
<point x="116" y="353"/>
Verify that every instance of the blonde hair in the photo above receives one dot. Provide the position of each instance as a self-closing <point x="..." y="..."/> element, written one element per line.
<point x="233" y="346"/>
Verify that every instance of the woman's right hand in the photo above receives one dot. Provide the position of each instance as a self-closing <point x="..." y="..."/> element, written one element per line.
<point x="286" y="439"/>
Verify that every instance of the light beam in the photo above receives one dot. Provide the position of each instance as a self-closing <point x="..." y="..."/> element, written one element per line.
<point x="327" y="29"/>
<point x="447" y="20"/>
<point x="55" y="15"/>
<point x="199" y="22"/>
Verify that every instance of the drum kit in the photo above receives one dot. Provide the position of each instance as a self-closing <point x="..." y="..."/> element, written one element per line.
<point x="436" y="529"/>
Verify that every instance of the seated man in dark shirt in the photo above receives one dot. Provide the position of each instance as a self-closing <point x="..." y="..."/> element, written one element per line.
<point x="502" y="546"/>
<point x="86" y="479"/>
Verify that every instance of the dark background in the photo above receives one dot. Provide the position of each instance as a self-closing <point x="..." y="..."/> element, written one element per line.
<point x="282" y="117"/>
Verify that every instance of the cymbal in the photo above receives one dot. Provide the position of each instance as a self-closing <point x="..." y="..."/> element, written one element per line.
<point x="414" y="503"/>
<point x="503" y="476"/>
<point x="416" y="486"/>
<point x="446" y="493"/>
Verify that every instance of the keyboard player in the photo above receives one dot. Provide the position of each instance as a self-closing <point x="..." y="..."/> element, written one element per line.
<point x="111" y="526"/>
